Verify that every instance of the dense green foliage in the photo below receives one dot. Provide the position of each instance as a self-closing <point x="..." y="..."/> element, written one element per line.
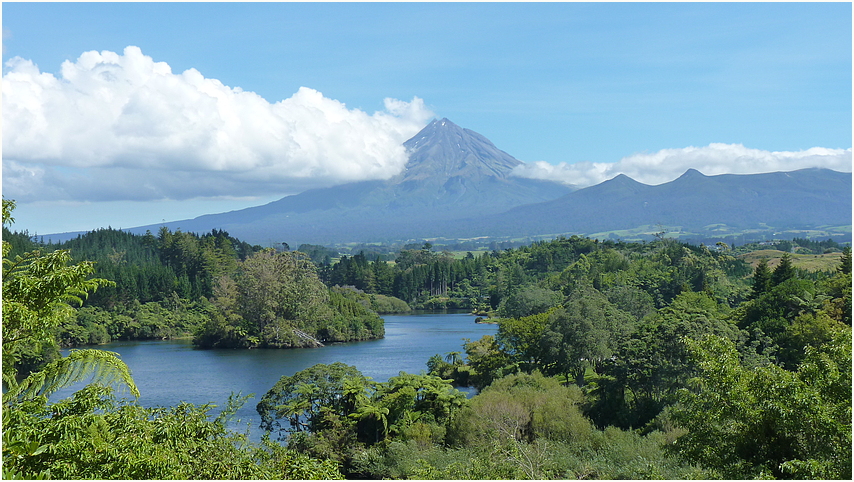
<point x="150" y="268"/>
<point x="417" y="426"/>
<point x="605" y="356"/>
<point x="751" y="381"/>
<point x="159" y="285"/>
<point x="93" y="436"/>
<point x="334" y="412"/>
<point x="381" y="304"/>
<point x="173" y="318"/>
<point x="612" y="360"/>
<point x="276" y="300"/>
<point x="766" y="421"/>
<point x="215" y="288"/>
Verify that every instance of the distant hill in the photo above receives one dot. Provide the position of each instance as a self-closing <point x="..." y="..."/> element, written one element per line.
<point x="693" y="203"/>
<point x="458" y="184"/>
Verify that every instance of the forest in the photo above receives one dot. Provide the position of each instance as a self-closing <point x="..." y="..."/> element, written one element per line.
<point x="655" y="360"/>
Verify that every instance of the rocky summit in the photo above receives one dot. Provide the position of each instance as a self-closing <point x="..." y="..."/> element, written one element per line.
<point x="443" y="150"/>
<point x="456" y="173"/>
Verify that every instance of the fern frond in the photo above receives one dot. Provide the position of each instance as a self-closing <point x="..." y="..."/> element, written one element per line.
<point x="9" y="382"/>
<point x="104" y="367"/>
<point x="12" y="474"/>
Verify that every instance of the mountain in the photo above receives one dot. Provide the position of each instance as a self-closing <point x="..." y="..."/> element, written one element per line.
<point x="457" y="184"/>
<point x="452" y="168"/>
<point x="694" y="203"/>
<point x="452" y="173"/>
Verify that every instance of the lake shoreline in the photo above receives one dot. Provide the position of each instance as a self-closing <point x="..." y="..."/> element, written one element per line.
<point x="168" y="372"/>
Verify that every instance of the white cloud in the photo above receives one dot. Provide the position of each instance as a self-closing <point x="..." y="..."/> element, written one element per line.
<point x="668" y="164"/>
<point x="122" y="126"/>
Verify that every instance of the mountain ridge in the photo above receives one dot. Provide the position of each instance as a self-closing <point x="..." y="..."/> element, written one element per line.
<point x="457" y="183"/>
<point x="800" y="199"/>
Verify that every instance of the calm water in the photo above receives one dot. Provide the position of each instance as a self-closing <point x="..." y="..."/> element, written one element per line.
<point x="168" y="372"/>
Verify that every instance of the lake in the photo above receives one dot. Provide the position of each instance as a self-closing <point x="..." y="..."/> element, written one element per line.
<point x="168" y="372"/>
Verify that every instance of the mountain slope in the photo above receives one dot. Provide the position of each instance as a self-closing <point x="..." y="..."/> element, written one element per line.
<point x="452" y="173"/>
<point x="782" y="200"/>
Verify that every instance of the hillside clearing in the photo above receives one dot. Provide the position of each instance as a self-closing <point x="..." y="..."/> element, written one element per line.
<point x="809" y="262"/>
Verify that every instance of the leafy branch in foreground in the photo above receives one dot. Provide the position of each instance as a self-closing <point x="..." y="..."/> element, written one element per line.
<point x="37" y="290"/>
<point x="91" y="435"/>
<point x="103" y="366"/>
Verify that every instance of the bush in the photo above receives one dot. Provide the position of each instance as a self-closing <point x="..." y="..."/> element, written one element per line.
<point x="92" y="436"/>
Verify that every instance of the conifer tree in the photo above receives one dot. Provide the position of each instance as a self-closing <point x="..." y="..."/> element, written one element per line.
<point x="761" y="279"/>
<point x="783" y="271"/>
<point x="845" y="266"/>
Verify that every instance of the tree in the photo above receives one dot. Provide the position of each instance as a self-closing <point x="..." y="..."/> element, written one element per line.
<point x="372" y="416"/>
<point x="295" y="403"/>
<point x="528" y="300"/>
<point x="783" y="271"/>
<point x="280" y="286"/>
<point x="845" y="265"/>
<point x="428" y="395"/>
<point x="761" y="279"/>
<point x="838" y="288"/>
<point x="521" y="338"/>
<point x="775" y="310"/>
<point x="585" y="333"/>
<point x="768" y="422"/>
<point x="454" y="358"/>
<point x="807" y="330"/>
<point x="519" y="417"/>
<point x="276" y="300"/>
<point x="524" y="407"/>
<point x="486" y="360"/>
<point x="652" y="364"/>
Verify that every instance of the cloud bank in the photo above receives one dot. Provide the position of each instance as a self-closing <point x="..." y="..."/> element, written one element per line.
<point x="120" y="127"/>
<point x="123" y="127"/>
<point x="668" y="164"/>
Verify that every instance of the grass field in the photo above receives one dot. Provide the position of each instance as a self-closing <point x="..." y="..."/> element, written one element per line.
<point x="810" y="262"/>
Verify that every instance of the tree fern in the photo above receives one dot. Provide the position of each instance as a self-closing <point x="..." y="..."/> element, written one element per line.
<point x="103" y="367"/>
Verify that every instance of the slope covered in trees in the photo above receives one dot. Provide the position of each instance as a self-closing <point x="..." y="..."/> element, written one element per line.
<point x="743" y="381"/>
<point x="213" y="287"/>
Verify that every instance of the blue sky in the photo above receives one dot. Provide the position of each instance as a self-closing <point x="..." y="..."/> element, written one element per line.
<point x="577" y="91"/>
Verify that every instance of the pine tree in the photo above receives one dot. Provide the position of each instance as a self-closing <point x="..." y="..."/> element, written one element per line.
<point x="761" y="279"/>
<point x="845" y="267"/>
<point x="783" y="271"/>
